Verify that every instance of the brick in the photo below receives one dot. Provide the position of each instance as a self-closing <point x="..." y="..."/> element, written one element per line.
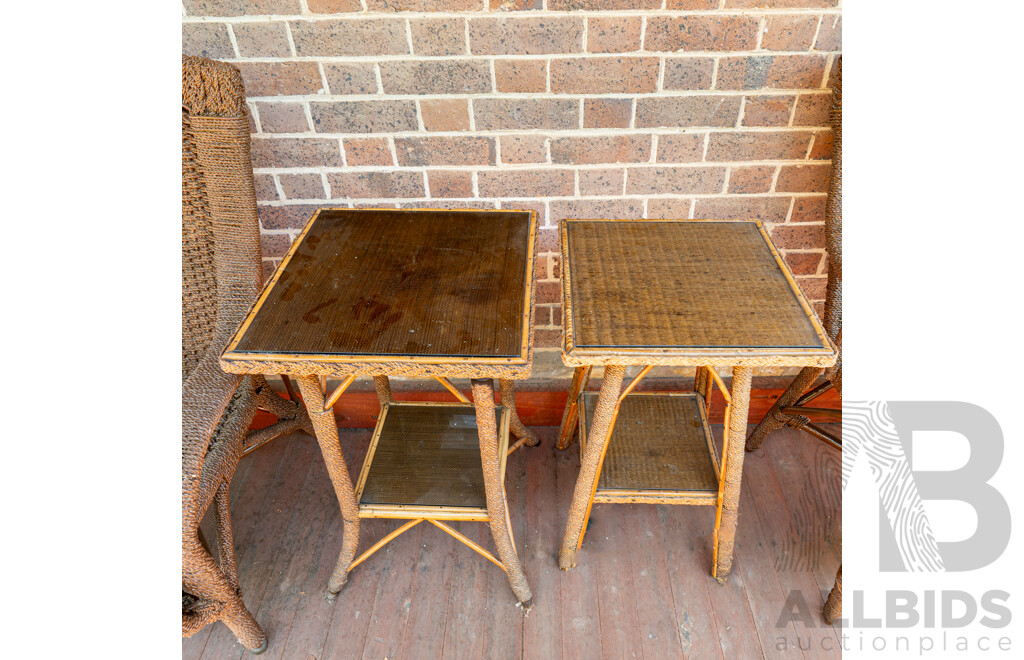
<point x="350" y="36"/>
<point x="274" y="245"/>
<point x="280" y="78"/>
<point x="393" y="183"/>
<point x="595" y="208"/>
<point x="669" y="208"/>
<point x="282" y="118"/>
<point x="206" y="40"/>
<point x="602" y="5"/>
<point x="813" y="287"/>
<point x="808" y="209"/>
<point x="542" y="315"/>
<point x="447" y="204"/>
<point x="556" y="267"/>
<point x="691" y="4"/>
<point x="812" y="110"/>
<point x="607" y="113"/>
<point x="687" y="111"/>
<point x="681" y="148"/>
<point x="445" y="114"/>
<point x="515" y="5"/>
<point x="600" y="75"/>
<point x="269" y="267"/>
<point x="601" y="182"/>
<point x="418" y="152"/>
<point x="436" y="77"/>
<point x="364" y="116"/>
<point x="266" y="190"/>
<point x="521" y="149"/>
<point x="438" y="36"/>
<point x="351" y="78"/>
<point x="366" y="152"/>
<point x="765" y="209"/>
<point x="450" y="183"/>
<point x="803" y="263"/>
<point x="674" y="180"/>
<point x="333" y="6"/>
<point x="830" y="34"/>
<point x="798" y="237"/>
<point x="508" y="35"/>
<point x="789" y="32"/>
<point x="526" y="183"/>
<point x="547" y="239"/>
<point x="751" y="180"/>
<point x="547" y="338"/>
<point x="525" y="114"/>
<point x="822" y="147"/>
<point x="771" y="72"/>
<point x="702" y="32"/>
<point x="779" y="4"/>
<point x="542" y="268"/>
<point x="521" y="76"/>
<point x="601" y="149"/>
<point x="423" y="5"/>
<point x="294" y="216"/>
<point x="758" y="146"/>
<point x="302" y="186"/>
<point x="614" y="34"/>
<point x="241" y="7"/>
<point x="295" y="152"/>
<point x="767" y="110"/>
<point x="262" y="39"/>
<point x="537" y="206"/>
<point x="689" y="73"/>
<point x="803" y="178"/>
<point x="548" y="292"/>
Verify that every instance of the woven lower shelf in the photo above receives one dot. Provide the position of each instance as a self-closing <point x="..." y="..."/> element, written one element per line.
<point x="661" y="450"/>
<point x="424" y="462"/>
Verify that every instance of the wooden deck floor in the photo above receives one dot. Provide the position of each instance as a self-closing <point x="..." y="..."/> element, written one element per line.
<point x="642" y="587"/>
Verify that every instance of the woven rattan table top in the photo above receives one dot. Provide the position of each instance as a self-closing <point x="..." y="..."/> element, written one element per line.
<point x="685" y="292"/>
<point x="391" y="286"/>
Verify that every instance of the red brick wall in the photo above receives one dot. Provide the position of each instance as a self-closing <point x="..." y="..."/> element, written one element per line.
<point x="573" y="108"/>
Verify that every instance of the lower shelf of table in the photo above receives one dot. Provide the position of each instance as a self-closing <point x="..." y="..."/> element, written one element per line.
<point x="661" y="450"/>
<point x="424" y="462"/>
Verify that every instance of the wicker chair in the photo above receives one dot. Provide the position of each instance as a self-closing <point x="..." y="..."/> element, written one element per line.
<point x="221" y="277"/>
<point x="790" y="408"/>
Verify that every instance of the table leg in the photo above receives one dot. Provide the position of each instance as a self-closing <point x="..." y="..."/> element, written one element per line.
<point x="327" y="436"/>
<point x="383" y="387"/>
<point x="571" y="415"/>
<point x="508" y="398"/>
<point x="729" y="494"/>
<point x="590" y="465"/>
<point x="497" y="507"/>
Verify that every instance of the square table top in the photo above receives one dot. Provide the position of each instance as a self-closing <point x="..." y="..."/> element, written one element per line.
<point x="422" y="292"/>
<point x="683" y="292"/>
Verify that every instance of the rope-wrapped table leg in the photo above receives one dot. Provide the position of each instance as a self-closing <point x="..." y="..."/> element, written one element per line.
<point x="729" y="500"/>
<point x="590" y="465"/>
<point x="497" y="508"/>
<point x="775" y="419"/>
<point x="330" y="446"/>
<point x="567" y="431"/>
<point x="508" y="399"/>
<point x="383" y="387"/>
<point x="833" y="609"/>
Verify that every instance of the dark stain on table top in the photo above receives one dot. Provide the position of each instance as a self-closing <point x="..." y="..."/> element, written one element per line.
<point x="679" y="284"/>
<point x="400" y="283"/>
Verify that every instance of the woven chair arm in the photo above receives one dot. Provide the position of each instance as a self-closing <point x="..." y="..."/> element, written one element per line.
<point x="204" y="398"/>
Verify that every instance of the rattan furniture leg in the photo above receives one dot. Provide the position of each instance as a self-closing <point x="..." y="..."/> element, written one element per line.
<point x="327" y="436"/>
<point x="518" y="429"/>
<point x="590" y="465"/>
<point x="727" y="512"/>
<point x="497" y="507"/>
<point x="833" y="609"/>
<point x="570" y="418"/>
<point x="776" y="419"/>
<point x="383" y="386"/>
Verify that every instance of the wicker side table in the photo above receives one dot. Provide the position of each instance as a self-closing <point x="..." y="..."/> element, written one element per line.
<point x="416" y="293"/>
<point x="698" y="293"/>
